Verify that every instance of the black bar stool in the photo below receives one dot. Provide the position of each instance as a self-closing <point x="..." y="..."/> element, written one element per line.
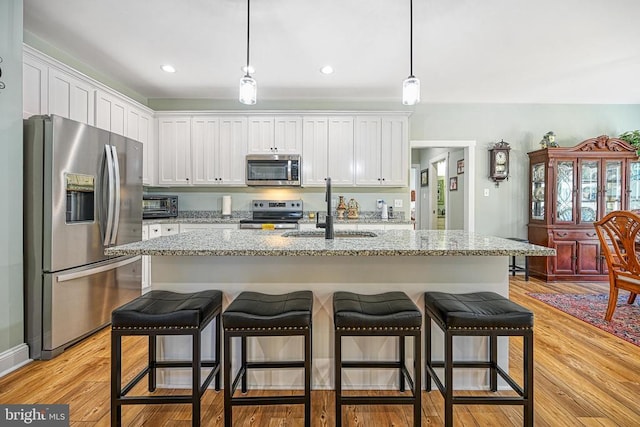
<point x="387" y="314"/>
<point x="478" y="314"/>
<point x="165" y="313"/>
<point x="253" y="314"/>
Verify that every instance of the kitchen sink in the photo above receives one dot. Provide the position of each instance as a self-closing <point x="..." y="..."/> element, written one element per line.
<point x="339" y="234"/>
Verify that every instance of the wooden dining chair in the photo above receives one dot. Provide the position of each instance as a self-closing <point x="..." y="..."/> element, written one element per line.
<point x="619" y="240"/>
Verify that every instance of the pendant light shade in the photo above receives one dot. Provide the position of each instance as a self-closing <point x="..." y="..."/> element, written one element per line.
<point x="411" y="85"/>
<point x="248" y="90"/>
<point x="248" y="86"/>
<point x="411" y="91"/>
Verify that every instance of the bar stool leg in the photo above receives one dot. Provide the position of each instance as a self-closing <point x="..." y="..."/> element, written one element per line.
<point x="427" y="350"/>
<point x="338" y="375"/>
<point x="493" y="351"/>
<point x="417" y="380"/>
<point x="528" y="379"/>
<point x="116" y="385"/>
<point x="218" y="350"/>
<point x="228" y="415"/>
<point x="403" y="359"/>
<point x="448" y="379"/>
<point x="152" y="362"/>
<point x="196" y="367"/>
<point x="243" y="351"/>
<point x="307" y="378"/>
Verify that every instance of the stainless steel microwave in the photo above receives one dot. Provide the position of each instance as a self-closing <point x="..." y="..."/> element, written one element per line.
<point x="273" y="169"/>
<point x="159" y="206"/>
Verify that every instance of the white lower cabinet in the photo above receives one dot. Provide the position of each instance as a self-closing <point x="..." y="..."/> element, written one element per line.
<point x="186" y="228"/>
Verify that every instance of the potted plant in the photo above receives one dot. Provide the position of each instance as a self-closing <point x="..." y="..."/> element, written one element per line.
<point x="633" y="138"/>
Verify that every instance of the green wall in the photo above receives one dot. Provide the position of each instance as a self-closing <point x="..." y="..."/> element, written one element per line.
<point x="11" y="296"/>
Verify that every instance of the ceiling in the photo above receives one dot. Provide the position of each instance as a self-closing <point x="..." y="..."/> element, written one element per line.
<point x="497" y="51"/>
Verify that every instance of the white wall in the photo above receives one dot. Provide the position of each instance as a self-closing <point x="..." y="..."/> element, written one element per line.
<point x="11" y="296"/>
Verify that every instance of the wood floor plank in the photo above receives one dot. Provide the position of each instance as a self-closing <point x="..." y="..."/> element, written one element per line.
<point x="583" y="377"/>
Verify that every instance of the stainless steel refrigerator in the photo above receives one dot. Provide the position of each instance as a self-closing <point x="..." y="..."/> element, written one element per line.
<point x="83" y="193"/>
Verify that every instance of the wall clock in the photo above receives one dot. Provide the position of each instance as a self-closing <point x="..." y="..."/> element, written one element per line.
<point x="499" y="162"/>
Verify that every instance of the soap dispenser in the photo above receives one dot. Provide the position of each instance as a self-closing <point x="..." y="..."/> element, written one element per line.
<point x="385" y="211"/>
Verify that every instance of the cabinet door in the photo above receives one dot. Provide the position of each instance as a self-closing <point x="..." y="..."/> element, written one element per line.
<point x="174" y="151"/>
<point x="288" y="135"/>
<point x="368" y="148"/>
<point x="140" y="128"/>
<point x="588" y="257"/>
<point x="314" y="151"/>
<point x="34" y="87"/>
<point x="111" y="113"/>
<point x="565" y="184"/>
<point x="589" y="191"/>
<point x="613" y="185"/>
<point x="394" y="158"/>
<point x="261" y="135"/>
<point x="633" y="185"/>
<point x="340" y="152"/>
<point x="565" y="257"/>
<point x="233" y="150"/>
<point x="205" y="150"/>
<point x="70" y="97"/>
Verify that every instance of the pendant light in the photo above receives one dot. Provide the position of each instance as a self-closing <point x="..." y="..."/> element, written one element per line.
<point x="248" y="87"/>
<point x="411" y="85"/>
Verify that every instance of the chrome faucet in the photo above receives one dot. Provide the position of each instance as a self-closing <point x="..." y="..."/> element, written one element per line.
<point x="328" y="222"/>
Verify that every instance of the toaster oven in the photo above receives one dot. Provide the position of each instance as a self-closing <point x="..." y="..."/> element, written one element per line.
<point x="159" y="206"/>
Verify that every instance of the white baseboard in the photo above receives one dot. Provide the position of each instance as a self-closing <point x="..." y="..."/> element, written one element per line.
<point x="13" y="359"/>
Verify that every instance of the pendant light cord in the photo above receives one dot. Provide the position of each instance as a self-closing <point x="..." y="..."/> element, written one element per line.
<point x="411" y="39"/>
<point x="248" y="26"/>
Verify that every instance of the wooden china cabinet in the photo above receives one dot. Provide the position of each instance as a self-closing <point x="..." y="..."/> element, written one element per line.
<point x="570" y="188"/>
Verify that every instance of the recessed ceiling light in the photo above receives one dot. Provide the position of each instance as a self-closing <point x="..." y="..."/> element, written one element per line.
<point x="327" y="69"/>
<point x="248" y="69"/>
<point x="168" y="68"/>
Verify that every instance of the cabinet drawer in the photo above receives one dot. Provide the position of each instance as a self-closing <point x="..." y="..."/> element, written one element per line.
<point x="169" y="229"/>
<point x="574" y="235"/>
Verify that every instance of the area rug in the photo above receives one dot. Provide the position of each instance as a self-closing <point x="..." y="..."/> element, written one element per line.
<point x="590" y="308"/>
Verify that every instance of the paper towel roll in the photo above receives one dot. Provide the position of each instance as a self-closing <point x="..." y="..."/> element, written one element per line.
<point x="226" y="205"/>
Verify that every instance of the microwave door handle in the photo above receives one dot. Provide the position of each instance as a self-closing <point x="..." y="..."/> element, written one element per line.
<point x="116" y="201"/>
<point x="289" y="170"/>
<point x="110" y="190"/>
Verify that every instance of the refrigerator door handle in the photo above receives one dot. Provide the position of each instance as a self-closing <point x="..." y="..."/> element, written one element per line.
<point x="108" y="230"/>
<point x="96" y="270"/>
<point x="116" y="203"/>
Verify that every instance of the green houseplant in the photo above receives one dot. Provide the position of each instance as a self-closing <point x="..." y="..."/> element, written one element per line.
<point x="633" y="138"/>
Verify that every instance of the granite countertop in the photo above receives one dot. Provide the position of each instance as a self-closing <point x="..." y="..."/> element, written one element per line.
<point x="215" y="217"/>
<point x="274" y="243"/>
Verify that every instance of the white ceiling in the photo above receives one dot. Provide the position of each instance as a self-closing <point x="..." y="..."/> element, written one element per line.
<point x="502" y="51"/>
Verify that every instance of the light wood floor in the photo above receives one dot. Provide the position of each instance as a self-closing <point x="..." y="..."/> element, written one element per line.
<point x="583" y="377"/>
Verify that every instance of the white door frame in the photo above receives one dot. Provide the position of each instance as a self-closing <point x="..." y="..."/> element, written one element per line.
<point x="468" y="176"/>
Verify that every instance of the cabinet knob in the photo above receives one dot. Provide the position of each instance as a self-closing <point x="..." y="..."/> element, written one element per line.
<point x="561" y="234"/>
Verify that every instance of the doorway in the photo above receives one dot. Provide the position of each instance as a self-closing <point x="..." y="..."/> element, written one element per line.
<point x="438" y="196"/>
<point x="469" y="147"/>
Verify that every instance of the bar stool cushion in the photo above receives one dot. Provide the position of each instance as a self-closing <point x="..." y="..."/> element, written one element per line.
<point x="158" y="309"/>
<point x="390" y="309"/>
<point x="258" y="310"/>
<point x="476" y="310"/>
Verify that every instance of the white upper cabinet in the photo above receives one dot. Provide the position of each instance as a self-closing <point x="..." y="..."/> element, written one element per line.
<point x="275" y="135"/>
<point x="34" y="87"/>
<point x="233" y="150"/>
<point x="382" y="151"/>
<point x="70" y="97"/>
<point x="327" y="150"/>
<point x="140" y="128"/>
<point x="341" y="167"/>
<point x="174" y="151"/>
<point x="111" y="112"/>
<point x="205" y="149"/>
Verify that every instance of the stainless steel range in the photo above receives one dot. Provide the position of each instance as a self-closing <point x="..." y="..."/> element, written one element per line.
<point x="273" y="214"/>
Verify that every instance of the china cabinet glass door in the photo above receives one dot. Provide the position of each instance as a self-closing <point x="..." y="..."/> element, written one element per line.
<point x="537" y="191"/>
<point x="564" y="191"/>
<point x="633" y="187"/>
<point x="589" y="190"/>
<point x="613" y="186"/>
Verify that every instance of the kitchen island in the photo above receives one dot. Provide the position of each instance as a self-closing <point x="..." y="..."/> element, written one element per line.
<point x="275" y="262"/>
